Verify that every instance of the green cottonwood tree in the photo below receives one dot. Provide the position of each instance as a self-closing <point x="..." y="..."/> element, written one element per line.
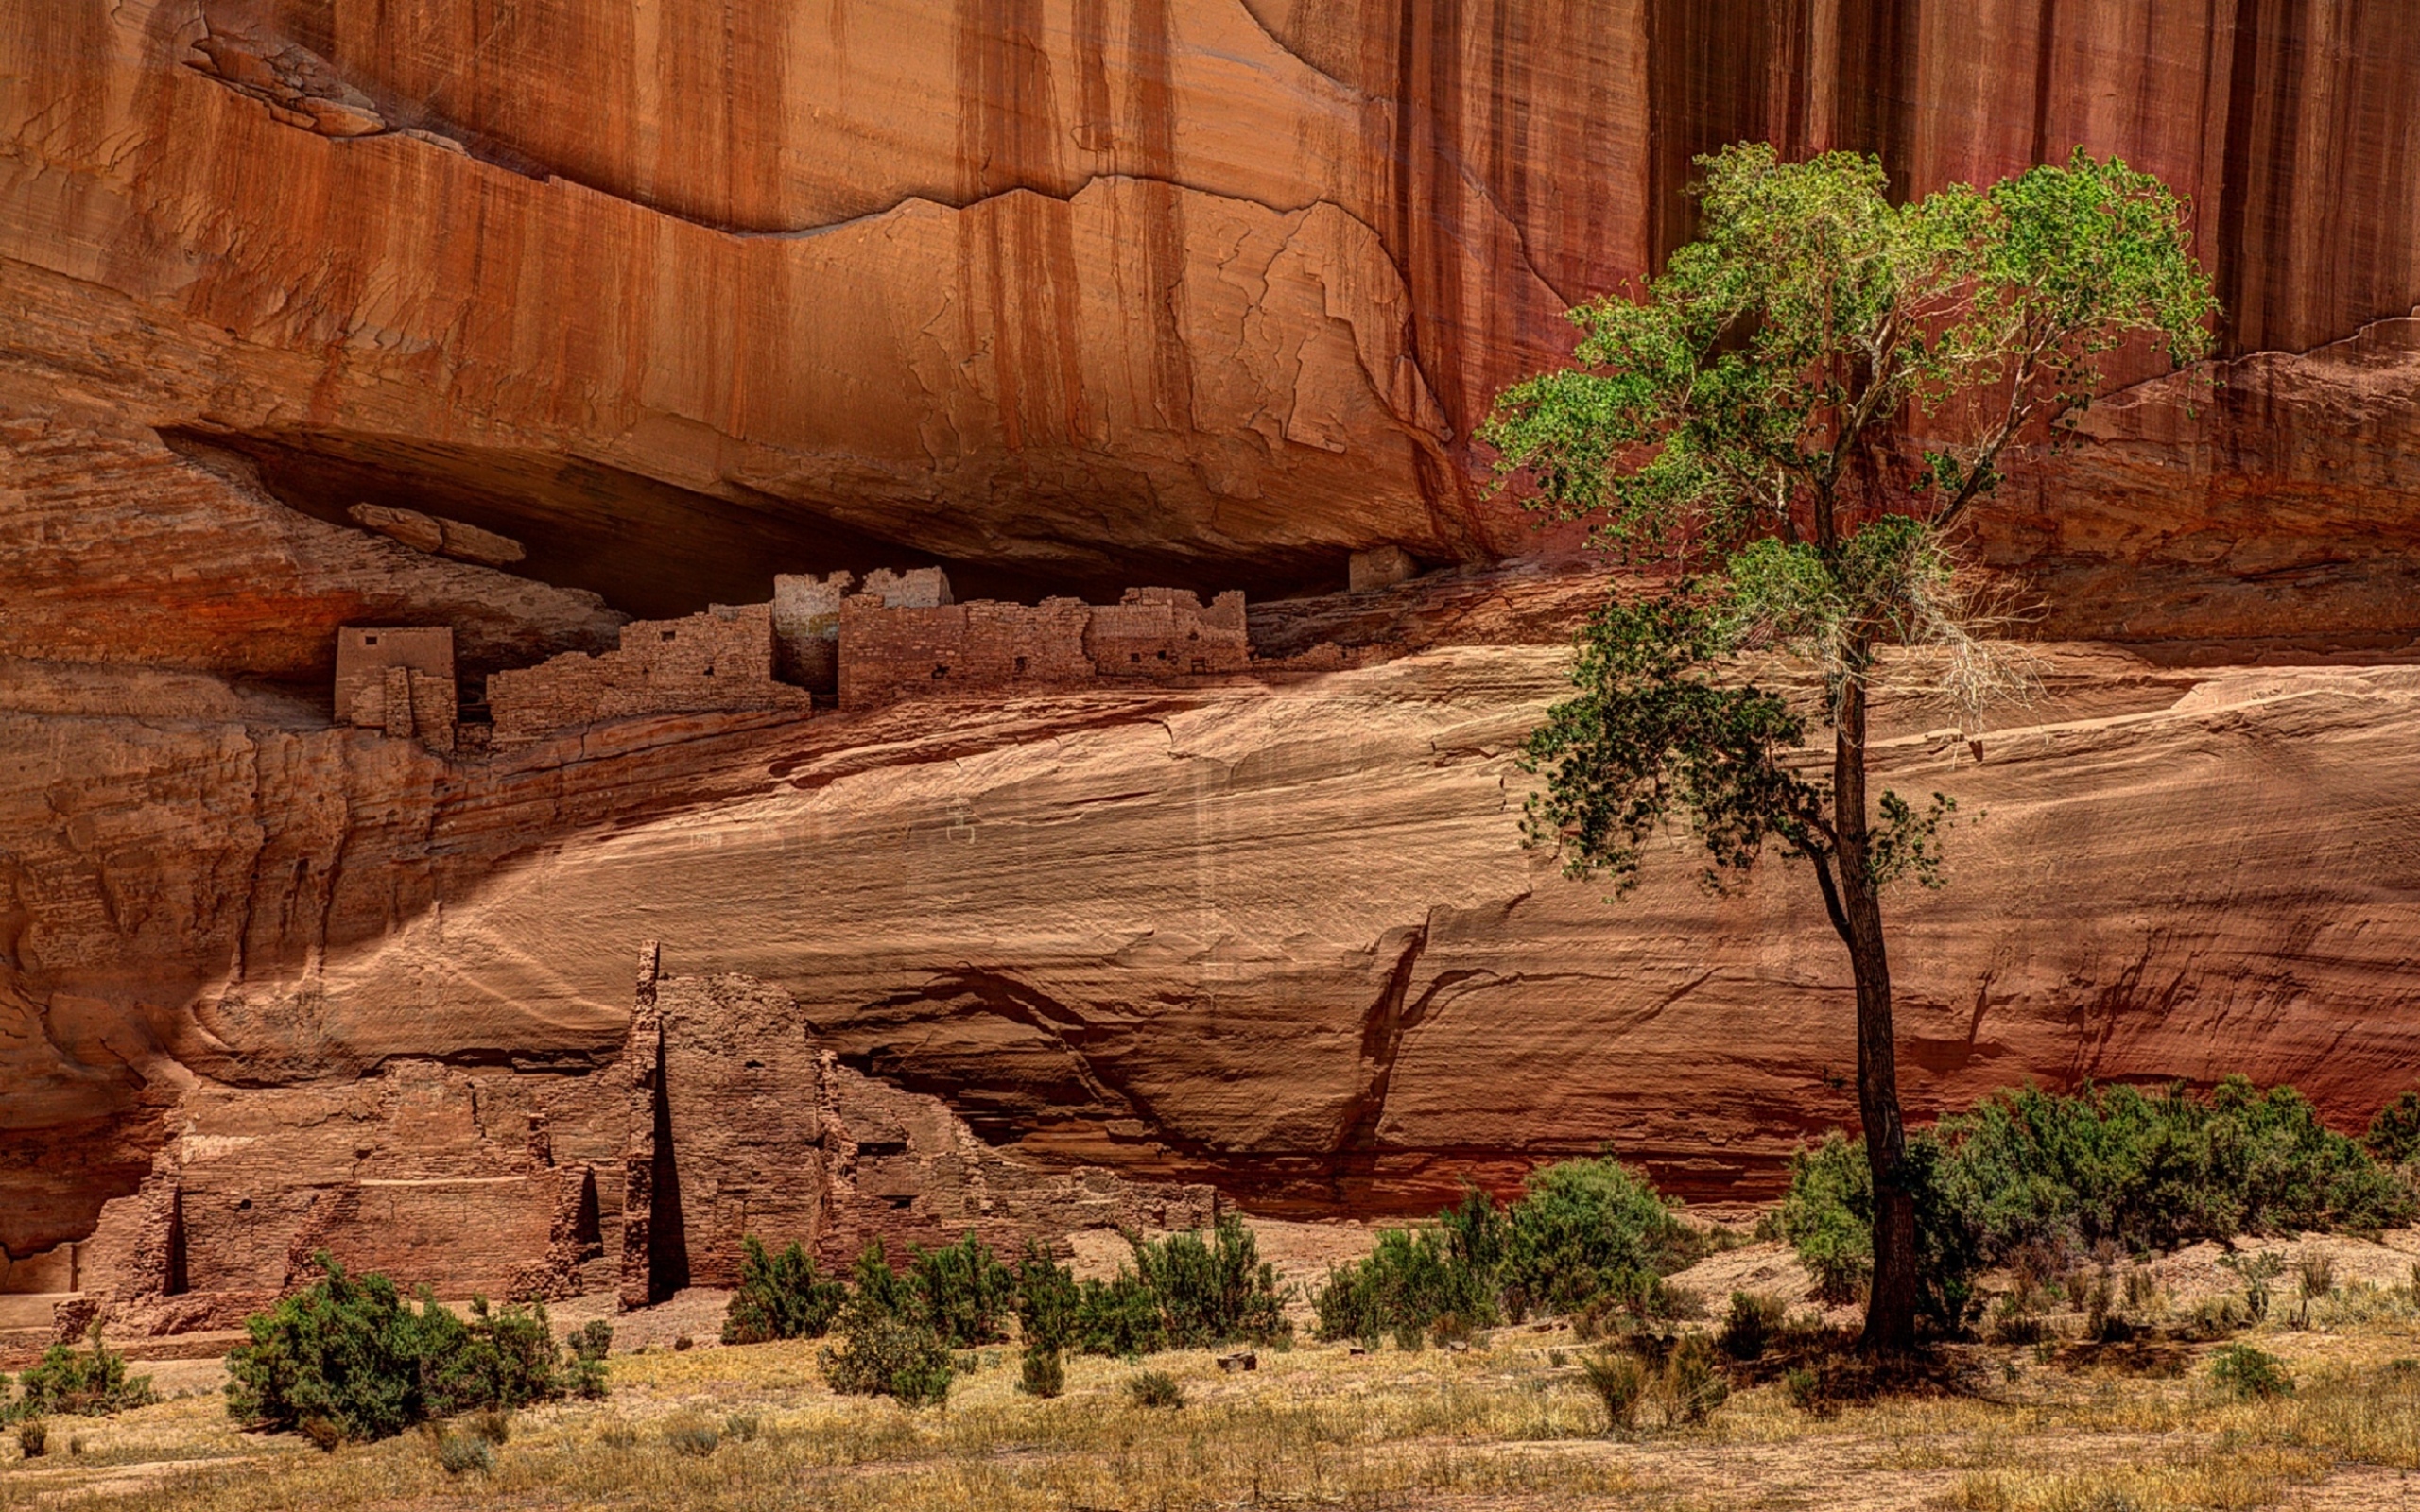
<point x="1794" y="422"/>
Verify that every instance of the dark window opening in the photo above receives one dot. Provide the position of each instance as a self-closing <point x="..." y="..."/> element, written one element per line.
<point x="1193" y="635"/>
<point x="1020" y="666"/>
<point x="669" y="634"/>
<point x="1135" y="657"/>
<point x="940" y="672"/>
<point x="1164" y="656"/>
<point x="175" y="1282"/>
<point x="370" y="639"/>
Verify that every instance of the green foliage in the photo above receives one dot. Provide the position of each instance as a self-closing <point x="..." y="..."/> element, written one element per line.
<point x="33" y="1438"/>
<point x="1042" y="1374"/>
<point x="1154" y="1388"/>
<point x="67" y="1380"/>
<point x="1748" y="1330"/>
<point x="962" y="1291"/>
<point x="1828" y="1217"/>
<point x="883" y="1353"/>
<point x="2034" y="1172"/>
<point x="1582" y="1228"/>
<point x="2151" y="1172"/>
<point x="1048" y="1302"/>
<point x="2245" y="1372"/>
<point x="2395" y="1134"/>
<point x="1417" y="1280"/>
<point x="1213" y="1293"/>
<point x="584" y="1372"/>
<point x="1812" y="312"/>
<point x="1121" y="1316"/>
<point x="1794" y="415"/>
<point x="779" y="1296"/>
<point x="354" y="1356"/>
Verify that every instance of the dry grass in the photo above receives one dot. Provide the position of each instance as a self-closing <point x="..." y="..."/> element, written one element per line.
<point x="1504" y="1425"/>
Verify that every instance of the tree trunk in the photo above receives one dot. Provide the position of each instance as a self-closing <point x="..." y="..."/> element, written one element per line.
<point x="1891" y="1309"/>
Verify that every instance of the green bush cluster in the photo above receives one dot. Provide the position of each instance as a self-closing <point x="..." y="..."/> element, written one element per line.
<point x="2039" y="1173"/>
<point x="1182" y="1292"/>
<point x="897" y="1329"/>
<point x="1585" y="1233"/>
<point x="779" y="1296"/>
<point x="68" y="1381"/>
<point x="353" y="1359"/>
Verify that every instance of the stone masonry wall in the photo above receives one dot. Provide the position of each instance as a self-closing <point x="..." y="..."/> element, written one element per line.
<point x="722" y="659"/>
<point x="807" y="617"/>
<point x="398" y="678"/>
<point x="719" y="1118"/>
<point x="1161" y="632"/>
<point x="1153" y="634"/>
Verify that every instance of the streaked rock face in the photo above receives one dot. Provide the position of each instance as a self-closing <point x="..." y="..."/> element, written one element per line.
<point x="1082" y="294"/>
<point x="1120" y="292"/>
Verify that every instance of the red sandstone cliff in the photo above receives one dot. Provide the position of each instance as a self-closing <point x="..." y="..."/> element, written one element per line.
<point x="1085" y="295"/>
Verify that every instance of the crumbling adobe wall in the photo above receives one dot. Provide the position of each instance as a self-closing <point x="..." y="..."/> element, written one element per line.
<point x="720" y="1119"/>
<point x="887" y="652"/>
<point x="1151" y="634"/>
<point x="807" y="617"/>
<point x="1163" y="632"/>
<point x="722" y="659"/>
<point x="398" y="678"/>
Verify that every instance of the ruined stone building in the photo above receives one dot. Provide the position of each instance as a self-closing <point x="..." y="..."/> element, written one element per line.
<point x="639" y="1173"/>
<point x="807" y="617"/>
<point x="399" y="679"/>
<point x="1155" y="634"/>
<point x="720" y="660"/>
<point x="897" y="634"/>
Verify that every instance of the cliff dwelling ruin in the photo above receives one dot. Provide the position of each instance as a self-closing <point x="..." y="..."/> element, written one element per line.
<point x="898" y="634"/>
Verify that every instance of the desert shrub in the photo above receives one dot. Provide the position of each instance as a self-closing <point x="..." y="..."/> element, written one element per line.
<point x="1119" y="1317"/>
<point x="1692" y="1385"/>
<point x="1043" y="1373"/>
<point x="1749" y="1327"/>
<point x="584" y="1372"/>
<point x="692" y="1436"/>
<point x="1213" y="1292"/>
<point x="2316" y="1272"/>
<point x="1049" y="1304"/>
<point x="1415" y="1278"/>
<point x="2148" y="1172"/>
<point x="70" y="1381"/>
<point x="742" y="1427"/>
<point x="461" y="1453"/>
<point x="354" y="1354"/>
<point x="33" y="1438"/>
<point x="779" y="1296"/>
<point x="1828" y="1217"/>
<point x="887" y="1350"/>
<point x="1154" y="1388"/>
<point x="2110" y="1169"/>
<point x="1620" y="1380"/>
<point x="2245" y="1372"/>
<point x="2394" y="1136"/>
<point x="1055" y="1310"/>
<point x="2256" y="1271"/>
<point x="964" y="1291"/>
<point x="500" y="1358"/>
<point x="493" y="1424"/>
<point x="1812" y="1390"/>
<point x="1585" y="1226"/>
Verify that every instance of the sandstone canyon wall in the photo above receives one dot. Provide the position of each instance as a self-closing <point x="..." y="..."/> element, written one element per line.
<point x="1080" y="295"/>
